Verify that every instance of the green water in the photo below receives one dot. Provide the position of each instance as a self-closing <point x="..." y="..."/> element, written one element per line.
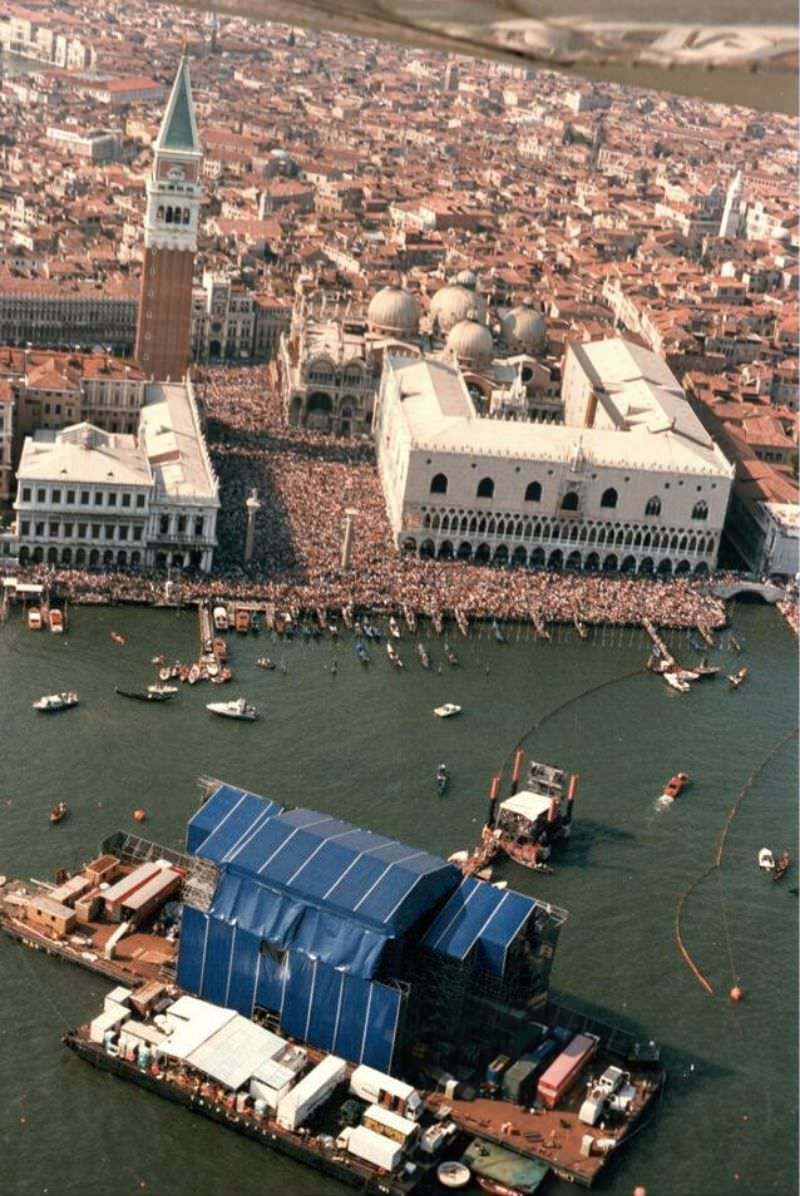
<point x="364" y="745"/>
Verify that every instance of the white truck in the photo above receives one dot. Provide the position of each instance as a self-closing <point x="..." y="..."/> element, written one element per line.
<point x="299" y="1102"/>
<point x="377" y="1088"/>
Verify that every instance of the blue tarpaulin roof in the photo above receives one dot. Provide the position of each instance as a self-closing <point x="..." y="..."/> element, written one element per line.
<point x="478" y="915"/>
<point x="321" y="860"/>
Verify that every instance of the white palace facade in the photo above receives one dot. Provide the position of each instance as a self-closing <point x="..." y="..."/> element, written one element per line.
<point x="630" y="481"/>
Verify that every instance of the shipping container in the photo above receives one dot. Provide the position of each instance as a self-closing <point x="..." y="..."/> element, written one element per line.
<point x="519" y="1082"/>
<point x="272" y="1083"/>
<point x="316" y="1087"/>
<point x="374" y="1148"/>
<point x="377" y="1088"/>
<point x="391" y="1125"/>
<point x="562" y="1073"/>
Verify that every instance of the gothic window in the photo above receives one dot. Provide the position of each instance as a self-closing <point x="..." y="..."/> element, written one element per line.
<point x="653" y="506"/>
<point x="187" y="215"/>
<point x="533" y="492"/>
<point x="169" y="215"/>
<point x="485" y="488"/>
<point x="439" y="484"/>
<point x="570" y="501"/>
<point x="609" y="498"/>
<point x="700" y="510"/>
<point x="160" y="213"/>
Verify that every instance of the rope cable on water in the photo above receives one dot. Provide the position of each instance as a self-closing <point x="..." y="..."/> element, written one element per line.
<point x="716" y="866"/>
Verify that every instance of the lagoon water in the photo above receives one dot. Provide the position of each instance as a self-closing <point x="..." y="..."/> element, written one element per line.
<point x="363" y="744"/>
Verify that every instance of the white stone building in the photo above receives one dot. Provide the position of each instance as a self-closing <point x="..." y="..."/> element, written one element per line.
<point x="629" y="482"/>
<point x="89" y="497"/>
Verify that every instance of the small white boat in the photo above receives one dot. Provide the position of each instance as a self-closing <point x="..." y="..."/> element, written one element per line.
<point x="220" y="617"/>
<point x="766" y="860"/>
<point x="674" y="682"/>
<point x="447" y="711"/>
<point x="56" y="621"/>
<point x="238" y="708"/>
<point x="34" y="619"/>
<point x="52" y="702"/>
<point x="162" y="689"/>
<point x="394" y="628"/>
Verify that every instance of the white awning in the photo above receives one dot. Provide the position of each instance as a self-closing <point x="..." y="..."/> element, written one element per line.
<point x="529" y="805"/>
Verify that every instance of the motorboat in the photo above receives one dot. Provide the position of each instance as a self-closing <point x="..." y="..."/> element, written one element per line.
<point x="424" y="658"/>
<point x="442" y="778"/>
<point x="56" y="620"/>
<point x="220" y="617"/>
<point x="118" y="638"/>
<point x="447" y="710"/>
<point x="35" y="619"/>
<point x="242" y="621"/>
<point x="52" y="702"/>
<point x="450" y="656"/>
<point x="393" y="655"/>
<point x="58" y="811"/>
<point x="736" y="679"/>
<point x="497" y="633"/>
<point x="675" y="785"/>
<point x="766" y="860"/>
<point x="142" y="695"/>
<point x="213" y="668"/>
<point x="264" y="662"/>
<point x="255" y="622"/>
<point x="194" y="674"/>
<point x="167" y="690"/>
<point x="238" y="708"/>
<point x="686" y="674"/>
<point x="219" y="648"/>
<point x="394" y="628"/>
<point x="782" y="866"/>
<point x="361" y="652"/>
<point x="675" y="682"/>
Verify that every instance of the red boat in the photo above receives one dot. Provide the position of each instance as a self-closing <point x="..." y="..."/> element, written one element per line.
<point x="117" y="638"/>
<point x="58" y="812"/>
<point x="676" y="785"/>
<point x="782" y="866"/>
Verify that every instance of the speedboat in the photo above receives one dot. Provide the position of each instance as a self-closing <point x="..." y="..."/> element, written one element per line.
<point x="118" y="639"/>
<point x="447" y="710"/>
<point x="167" y="690"/>
<point x="56" y="620"/>
<point x="394" y="628"/>
<point x="736" y="679"/>
<point x="52" y="702"/>
<point x="442" y="778"/>
<point x="142" y="695"/>
<point x="766" y="860"/>
<point x="238" y="708"/>
<point x="675" y="785"/>
<point x="264" y="662"/>
<point x="58" y="811"/>
<point x="674" y="682"/>
<point x="220" y="617"/>
<point x="34" y="619"/>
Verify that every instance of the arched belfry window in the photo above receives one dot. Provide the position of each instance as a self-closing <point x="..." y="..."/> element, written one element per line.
<point x="700" y="510"/>
<point x="609" y="498"/>
<point x="570" y="501"/>
<point x="533" y="492"/>
<point x="439" y="484"/>
<point x="653" y="506"/>
<point x="485" y="488"/>
<point x="169" y="215"/>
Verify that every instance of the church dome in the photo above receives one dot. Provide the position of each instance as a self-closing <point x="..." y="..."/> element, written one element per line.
<point x="471" y="342"/>
<point x="524" y="330"/>
<point x="453" y="303"/>
<point x="393" y="311"/>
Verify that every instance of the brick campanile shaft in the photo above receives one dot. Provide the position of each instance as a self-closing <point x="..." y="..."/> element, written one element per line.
<point x="163" y="333"/>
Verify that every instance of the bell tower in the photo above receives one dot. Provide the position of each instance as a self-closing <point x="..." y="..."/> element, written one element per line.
<point x="163" y="332"/>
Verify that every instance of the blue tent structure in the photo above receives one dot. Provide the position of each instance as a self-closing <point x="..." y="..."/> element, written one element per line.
<point x="303" y="912"/>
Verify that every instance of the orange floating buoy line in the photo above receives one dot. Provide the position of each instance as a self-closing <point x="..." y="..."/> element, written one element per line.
<point x="139" y="816"/>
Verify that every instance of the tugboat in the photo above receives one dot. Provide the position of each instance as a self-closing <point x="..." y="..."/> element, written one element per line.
<point x="392" y="653"/>
<point x="264" y="662"/>
<point x="58" y="811"/>
<point x="142" y="695"/>
<point x="53" y="702"/>
<point x="442" y="778"/>
<point x="424" y="658"/>
<point x="675" y="785"/>
<point x="238" y="708"/>
<point x="736" y="679"/>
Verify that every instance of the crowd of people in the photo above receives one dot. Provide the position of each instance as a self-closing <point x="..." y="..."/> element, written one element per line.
<point x="305" y="481"/>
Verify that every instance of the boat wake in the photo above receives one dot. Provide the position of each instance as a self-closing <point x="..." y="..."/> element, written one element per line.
<point x="664" y="803"/>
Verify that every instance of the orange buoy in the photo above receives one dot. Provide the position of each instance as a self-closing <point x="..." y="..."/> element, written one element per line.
<point x="736" y="993"/>
<point x="139" y="815"/>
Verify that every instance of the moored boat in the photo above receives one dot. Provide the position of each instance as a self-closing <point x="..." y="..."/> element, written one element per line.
<point x="497" y="632"/>
<point x="238" y="708"/>
<point x="676" y="683"/>
<point x="264" y="662"/>
<point x="162" y="689"/>
<point x="242" y="623"/>
<point x="35" y="619"/>
<point x="56" y="620"/>
<point x="52" y="702"/>
<point x="220" y="618"/>
<point x="361" y="652"/>
<point x="142" y="695"/>
<point x="424" y="658"/>
<point x="736" y="679"/>
<point x="394" y="627"/>
<point x="58" y="811"/>
<point x="220" y="648"/>
<point x="393" y="655"/>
